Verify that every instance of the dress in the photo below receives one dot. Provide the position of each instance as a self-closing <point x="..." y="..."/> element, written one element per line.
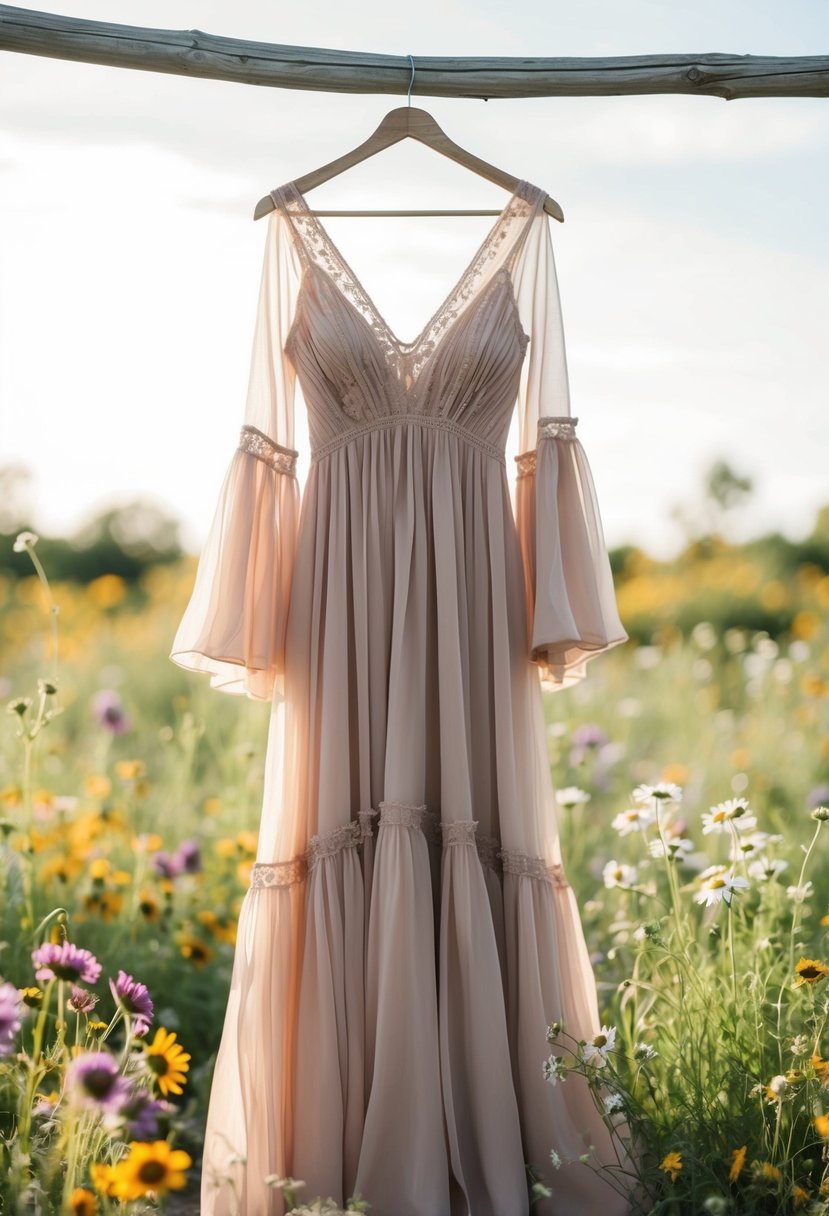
<point x="409" y="931"/>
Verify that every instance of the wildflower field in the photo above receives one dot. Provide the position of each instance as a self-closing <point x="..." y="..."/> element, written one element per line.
<point x="692" y="770"/>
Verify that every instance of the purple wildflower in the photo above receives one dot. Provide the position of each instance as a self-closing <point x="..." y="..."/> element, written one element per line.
<point x="140" y="1112"/>
<point x="94" y="1080"/>
<point x="65" y="962"/>
<point x="165" y="865"/>
<point x="188" y="856"/>
<point x="82" y="1001"/>
<point x="819" y="796"/>
<point x="109" y="711"/>
<point x="136" y="1000"/>
<point x="11" y="1015"/>
<point x="585" y="739"/>
<point x="588" y="735"/>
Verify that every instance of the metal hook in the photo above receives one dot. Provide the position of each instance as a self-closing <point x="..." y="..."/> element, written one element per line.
<point x="411" y="82"/>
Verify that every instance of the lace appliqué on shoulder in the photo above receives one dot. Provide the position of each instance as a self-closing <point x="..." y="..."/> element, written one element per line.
<point x="415" y="817"/>
<point x="260" y="445"/>
<point x="552" y="426"/>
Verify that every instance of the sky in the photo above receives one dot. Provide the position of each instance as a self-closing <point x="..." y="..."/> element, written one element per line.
<point x="693" y="263"/>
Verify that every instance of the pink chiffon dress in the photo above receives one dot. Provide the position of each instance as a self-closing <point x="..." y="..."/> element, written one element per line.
<point x="409" y="931"/>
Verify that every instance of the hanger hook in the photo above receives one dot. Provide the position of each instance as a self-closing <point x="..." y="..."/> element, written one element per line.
<point x="411" y="82"/>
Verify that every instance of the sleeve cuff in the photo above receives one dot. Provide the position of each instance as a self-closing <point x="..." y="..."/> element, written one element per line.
<point x="571" y="600"/>
<point x="233" y="628"/>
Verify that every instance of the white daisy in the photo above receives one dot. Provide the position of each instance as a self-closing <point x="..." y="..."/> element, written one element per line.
<point x="644" y="1051"/>
<point x="634" y="819"/>
<point x="596" y="1049"/>
<point x="613" y="1102"/>
<point x="799" y="894"/>
<point x="663" y="790"/>
<point x="766" y="868"/>
<point x="617" y="874"/>
<point x="554" y="1070"/>
<point x="718" y="883"/>
<point x="674" y="846"/>
<point x="734" y="810"/>
<point x="749" y="845"/>
<point x="571" y="796"/>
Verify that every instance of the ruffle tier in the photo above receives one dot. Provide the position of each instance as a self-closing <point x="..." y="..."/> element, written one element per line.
<point x="422" y="963"/>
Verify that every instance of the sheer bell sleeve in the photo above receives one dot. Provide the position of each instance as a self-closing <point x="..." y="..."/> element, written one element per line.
<point x="234" y="625"/>
<point x="571" y="602"/>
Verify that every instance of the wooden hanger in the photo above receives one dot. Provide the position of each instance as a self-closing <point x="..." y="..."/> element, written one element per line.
<point x="399" y="123"/>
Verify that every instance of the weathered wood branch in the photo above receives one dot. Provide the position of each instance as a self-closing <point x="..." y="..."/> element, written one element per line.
<point x="195" y="53"/>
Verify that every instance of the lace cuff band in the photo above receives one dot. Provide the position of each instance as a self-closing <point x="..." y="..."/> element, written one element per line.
<point x="279" y="457"/>
<point x="553" y="426"/>
<point x="557" y="426"/>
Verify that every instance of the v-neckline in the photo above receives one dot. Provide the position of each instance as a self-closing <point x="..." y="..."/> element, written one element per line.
<point x="407" y="349"/>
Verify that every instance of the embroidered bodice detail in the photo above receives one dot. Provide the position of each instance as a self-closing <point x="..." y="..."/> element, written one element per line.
<point x="415" y="817"/>
<point x="260" y="445"/>
<point x="317" y="249"/>
<point x="552" y="426"/>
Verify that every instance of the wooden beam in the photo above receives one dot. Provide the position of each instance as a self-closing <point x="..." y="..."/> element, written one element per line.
<point x="319" y="69"/>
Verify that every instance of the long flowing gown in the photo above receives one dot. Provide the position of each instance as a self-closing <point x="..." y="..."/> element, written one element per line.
<point x="409" y="931"/>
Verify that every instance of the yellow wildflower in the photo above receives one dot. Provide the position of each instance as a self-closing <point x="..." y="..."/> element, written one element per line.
<point x="97" y="785"/>
<point x="196" y="950"/>
<point x="82" y="1202"/>
<point x="738" y="1160"/>
<point x="769" y="1172"/>
<point x="821" y="1125"/>
<point x="800" y="1196"/>
<point x="247" y="840"/>
<point x="168" y="1061"/>
<point x="809" y="971"/>
<point x="130" y="770"/>
<point x="671" y="1163"/>
<point x="151" y="842"/>
<point x="821" y="1068"/>
<point x="151" y="1168"/>
<point x="103" y="1178"/>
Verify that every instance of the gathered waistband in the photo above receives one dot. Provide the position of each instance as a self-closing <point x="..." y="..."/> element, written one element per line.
<point x="428" y="420"/>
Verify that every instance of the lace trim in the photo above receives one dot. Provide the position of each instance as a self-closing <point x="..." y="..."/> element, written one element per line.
<point x="553" y="426"/>
<point x="431" y="420"/>
<point x="416" y="817"/>
<point x="317" y="248"/>
<point x="532" y="867"/>
<point x="462" y="831"/>
<point x="277" y="873"/>
<point x="557" y="426"/>
<point x="279" y="457"/>
<point x="365" y="818"/>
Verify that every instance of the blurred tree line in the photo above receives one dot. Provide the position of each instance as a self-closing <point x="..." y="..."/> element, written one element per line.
<point x="122" y="540"/>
